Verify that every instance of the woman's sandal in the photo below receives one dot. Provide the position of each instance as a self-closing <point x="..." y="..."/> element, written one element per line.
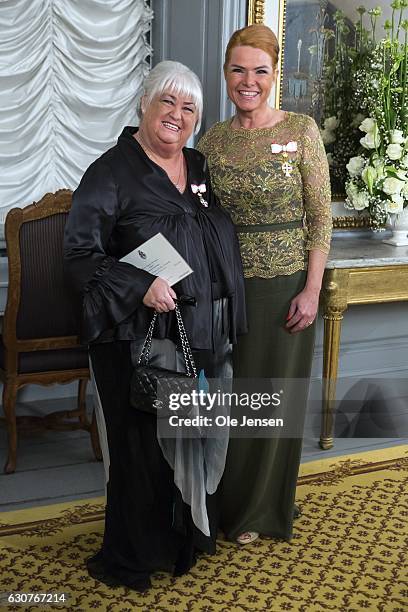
<point x="296" y="512"/>
<point x="247" y="537"/>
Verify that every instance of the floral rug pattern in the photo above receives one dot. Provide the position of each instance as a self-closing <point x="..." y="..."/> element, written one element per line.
<point x="349" y="552"/>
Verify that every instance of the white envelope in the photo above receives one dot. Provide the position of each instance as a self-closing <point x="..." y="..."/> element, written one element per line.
<point x="160" y="258"/>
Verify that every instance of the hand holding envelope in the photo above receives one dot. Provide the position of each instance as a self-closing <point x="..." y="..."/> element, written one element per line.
<point x="160" y="258"/>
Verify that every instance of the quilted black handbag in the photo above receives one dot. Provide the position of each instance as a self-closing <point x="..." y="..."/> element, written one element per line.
<point x="148" y="382"/>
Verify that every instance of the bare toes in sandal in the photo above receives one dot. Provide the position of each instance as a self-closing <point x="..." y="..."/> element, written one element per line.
<point x="247" y="537"/>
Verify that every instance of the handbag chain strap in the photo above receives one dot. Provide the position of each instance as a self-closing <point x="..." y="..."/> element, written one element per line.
<point x="185" y="345"/>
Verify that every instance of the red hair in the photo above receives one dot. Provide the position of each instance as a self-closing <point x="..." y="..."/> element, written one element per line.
<point x="258" y="36"/>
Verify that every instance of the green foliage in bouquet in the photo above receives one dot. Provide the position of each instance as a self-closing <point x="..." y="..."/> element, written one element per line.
<point x="342" y="114"/>
<point x="367" y="91"/>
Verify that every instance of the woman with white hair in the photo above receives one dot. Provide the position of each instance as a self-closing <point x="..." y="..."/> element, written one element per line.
<point x="158" y="514"/>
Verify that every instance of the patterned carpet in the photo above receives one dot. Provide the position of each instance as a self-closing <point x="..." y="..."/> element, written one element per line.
<point x="349" y="552"/>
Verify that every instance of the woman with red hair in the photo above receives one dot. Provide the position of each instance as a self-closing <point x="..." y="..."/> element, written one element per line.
<point x="269" y="170"/>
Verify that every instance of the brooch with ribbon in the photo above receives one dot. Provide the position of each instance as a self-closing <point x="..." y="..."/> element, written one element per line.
<point x="199" y="190"/>
<point x="290" y="147"/>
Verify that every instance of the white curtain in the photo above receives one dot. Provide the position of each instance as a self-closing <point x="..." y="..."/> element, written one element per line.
<point x="70" y="73"/>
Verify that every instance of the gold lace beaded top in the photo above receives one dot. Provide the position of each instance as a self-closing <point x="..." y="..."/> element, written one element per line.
<point x="254" y="186"/>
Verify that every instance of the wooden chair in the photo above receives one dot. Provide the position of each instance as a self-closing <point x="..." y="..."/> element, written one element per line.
<point x="39" y="344"/>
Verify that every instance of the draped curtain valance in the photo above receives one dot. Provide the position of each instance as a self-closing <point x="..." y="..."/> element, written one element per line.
<point x="70" y="74"/>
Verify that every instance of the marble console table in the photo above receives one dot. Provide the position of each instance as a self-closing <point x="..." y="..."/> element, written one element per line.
<point x="359" y="270"/>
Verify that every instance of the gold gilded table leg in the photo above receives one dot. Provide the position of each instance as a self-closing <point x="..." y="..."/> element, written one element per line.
<point x="334" y="299"/>
<point x="331" y="345"/>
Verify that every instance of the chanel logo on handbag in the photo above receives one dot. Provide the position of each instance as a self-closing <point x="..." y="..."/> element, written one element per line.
<point x="148" y="380"/>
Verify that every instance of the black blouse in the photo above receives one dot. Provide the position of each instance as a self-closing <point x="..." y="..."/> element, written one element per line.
<point x="124" y="199"/>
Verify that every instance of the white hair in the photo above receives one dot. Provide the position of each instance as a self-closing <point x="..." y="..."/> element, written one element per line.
<point x="176" y="78"/>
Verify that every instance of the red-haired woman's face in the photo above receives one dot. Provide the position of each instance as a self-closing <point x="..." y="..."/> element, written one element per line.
<point x="250" y="76"/>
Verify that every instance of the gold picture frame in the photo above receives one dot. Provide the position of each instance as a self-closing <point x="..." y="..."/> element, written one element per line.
<point x="256" y="13"/>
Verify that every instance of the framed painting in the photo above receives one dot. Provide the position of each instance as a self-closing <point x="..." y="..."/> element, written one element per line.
<point x="306" y="31"/>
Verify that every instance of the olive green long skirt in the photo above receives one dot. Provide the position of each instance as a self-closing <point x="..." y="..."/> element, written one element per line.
<point x="259" y="482"/>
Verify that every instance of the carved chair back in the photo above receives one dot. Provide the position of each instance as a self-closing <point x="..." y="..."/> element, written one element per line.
<point x="40" y="312"/>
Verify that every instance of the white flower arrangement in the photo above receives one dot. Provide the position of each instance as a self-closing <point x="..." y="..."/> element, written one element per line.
<point x="378" y="176"/>
<point x="328" y="132"/>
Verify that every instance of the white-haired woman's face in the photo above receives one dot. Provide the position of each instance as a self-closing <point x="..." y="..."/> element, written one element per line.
<point x="169" y="119"/>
